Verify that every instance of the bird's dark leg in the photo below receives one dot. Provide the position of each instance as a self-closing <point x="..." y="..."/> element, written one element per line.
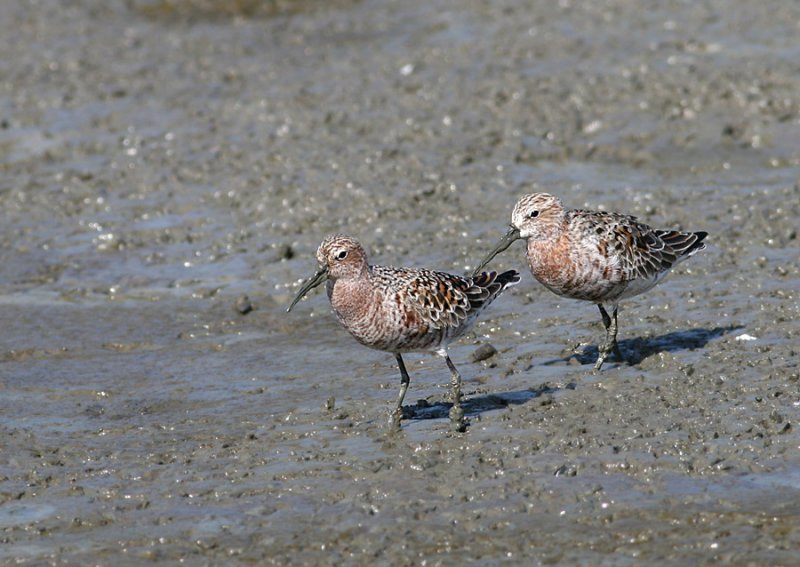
<point x="610" y="344"/>
<point x="617" y="352"/>
<point x="397" y="413"/>
<point x="457" y="420"/>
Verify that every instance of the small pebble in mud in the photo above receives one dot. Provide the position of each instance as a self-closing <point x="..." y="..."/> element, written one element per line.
<point x="567" y="469"/>
<point x="285" y="252"/>
<point x="243" y="305"/>
<point x="483" y="352"/>
<point x="94" y="410"/>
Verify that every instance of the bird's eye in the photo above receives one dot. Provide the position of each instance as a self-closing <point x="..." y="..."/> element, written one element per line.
<point x="341" y="255"/>
<point x="534" y="214"/>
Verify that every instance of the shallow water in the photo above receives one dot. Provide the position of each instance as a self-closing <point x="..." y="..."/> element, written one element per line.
<point x="161" y="159"/>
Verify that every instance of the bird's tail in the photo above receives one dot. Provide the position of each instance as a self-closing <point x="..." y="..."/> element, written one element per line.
<point x="508" y="279"/>
<point x="684" y="244"/>
<point x="486" y="286"/>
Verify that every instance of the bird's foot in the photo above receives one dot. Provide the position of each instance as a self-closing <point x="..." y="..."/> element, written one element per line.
<point x="458" y="421"/>
<point x="598" y="365"/>
<point x="394" y="419"/>
<point x="604" y="350"/>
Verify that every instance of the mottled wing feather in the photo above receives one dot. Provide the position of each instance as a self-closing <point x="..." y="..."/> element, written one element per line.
<point x="440" y="298"/>
<point x="638" y="250"/>
<point x="444" y="300"/>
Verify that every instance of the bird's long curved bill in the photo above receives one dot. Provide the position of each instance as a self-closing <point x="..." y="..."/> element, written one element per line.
<point x="314" y="281"/>
<point x="504" y="243"/>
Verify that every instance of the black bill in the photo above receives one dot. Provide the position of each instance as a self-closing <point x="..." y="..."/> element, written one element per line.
<point x="504" y="243"/>
<point x="314" y="281"/>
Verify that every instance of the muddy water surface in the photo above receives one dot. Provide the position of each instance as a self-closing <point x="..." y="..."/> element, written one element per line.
<point x="162" y="159"/>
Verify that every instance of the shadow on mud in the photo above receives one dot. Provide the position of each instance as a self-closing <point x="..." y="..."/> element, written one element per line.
<point x="633" y="350"/>
<point x="479" y="404"/>
<point x="636" y="350"/>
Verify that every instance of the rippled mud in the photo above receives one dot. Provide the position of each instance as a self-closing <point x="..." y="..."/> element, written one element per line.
<point x="168" y="169"/>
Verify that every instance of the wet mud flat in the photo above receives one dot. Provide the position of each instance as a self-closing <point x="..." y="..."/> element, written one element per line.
<point x="160" y="160"/>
